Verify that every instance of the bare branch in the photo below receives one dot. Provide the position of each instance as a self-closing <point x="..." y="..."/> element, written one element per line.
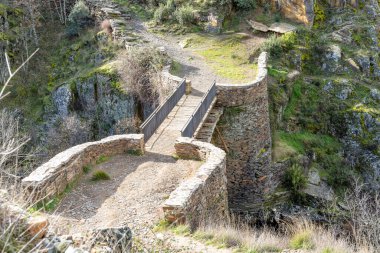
<point x="14" y="73"/>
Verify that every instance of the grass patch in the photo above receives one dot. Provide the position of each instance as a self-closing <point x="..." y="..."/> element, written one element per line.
<point x="86" y="169"/>
<point x="281" y="150"/>
<point x="100" y="175"/>
<point x="102" y="159"/>
<point x="227" y="55"/>
<point x="303" y="141"/>
<point x="302" y="240"/>
<point x="294" y="100"/>
<point x="135" y="152"/>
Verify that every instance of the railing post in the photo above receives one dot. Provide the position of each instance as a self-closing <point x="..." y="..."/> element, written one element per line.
<point x="188" y="87"/>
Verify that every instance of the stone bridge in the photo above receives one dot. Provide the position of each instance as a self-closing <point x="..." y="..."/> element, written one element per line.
<point x="216" y="186"/>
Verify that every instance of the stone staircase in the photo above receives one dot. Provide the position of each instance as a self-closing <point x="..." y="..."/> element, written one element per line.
<point x="207" y="127"/>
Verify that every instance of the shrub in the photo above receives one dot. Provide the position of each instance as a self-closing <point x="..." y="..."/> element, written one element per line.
<point x="106" y="26"/>
<point x="295" y="181"/>
<point x="79" y="13"/>
<point x="79" y="18"/>
<point x="86" y="169"/>
<point x="185" y="15"/>
<point x="100" y="175"/>
<point x="164" y="11"/>
<point x="141" y="70"/>
<point x="272" y="46"/>
<point x="246" y="4"/>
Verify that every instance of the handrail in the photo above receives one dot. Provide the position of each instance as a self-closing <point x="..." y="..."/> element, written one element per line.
<point x="150" y="125"/>
<point x="192" y="124"/>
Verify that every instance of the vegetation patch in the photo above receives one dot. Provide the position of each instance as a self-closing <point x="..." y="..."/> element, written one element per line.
<point x="86" y="169"/>
<point x="228" y="55"/>
<point x="102" y="159"/>
<point x="100" y="175"/>
<point x="135" y="152"/>
<point x="302" y="240"/>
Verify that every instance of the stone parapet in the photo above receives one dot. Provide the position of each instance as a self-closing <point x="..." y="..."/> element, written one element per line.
<point x="203" y="197"/>
<point x="51" y="178"/>
<point x="169" y="77"/>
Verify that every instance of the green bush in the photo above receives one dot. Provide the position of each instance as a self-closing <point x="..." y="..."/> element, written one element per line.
<point x="164" y="11"/>
<point x="184" y="15"/>
<point x="278" y="45"/>
<point x="100" y="175"/>
<point x="78" y="18"/>
<point x="246" y="4"/>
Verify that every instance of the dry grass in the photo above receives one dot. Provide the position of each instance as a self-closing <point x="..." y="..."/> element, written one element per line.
<point x="301" y="235"/>
<point x="244" y="238"/>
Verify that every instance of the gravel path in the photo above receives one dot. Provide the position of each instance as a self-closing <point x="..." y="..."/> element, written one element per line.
<point x="194" y="67"/>
<point x="138" y="187"/>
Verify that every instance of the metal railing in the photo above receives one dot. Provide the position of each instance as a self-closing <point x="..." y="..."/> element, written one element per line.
<point x="158" y="116"/>
<point x="196" y="118"/>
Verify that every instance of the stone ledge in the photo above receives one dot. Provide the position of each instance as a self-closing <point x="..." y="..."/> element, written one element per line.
<point x="203" y="197"/>
<point x="52" y="177"/>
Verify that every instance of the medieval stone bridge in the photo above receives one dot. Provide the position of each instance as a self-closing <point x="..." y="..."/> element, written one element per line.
<point x="145" y="177"/>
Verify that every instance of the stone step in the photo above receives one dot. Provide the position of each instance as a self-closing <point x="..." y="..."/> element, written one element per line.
<point x="207" y="129"/>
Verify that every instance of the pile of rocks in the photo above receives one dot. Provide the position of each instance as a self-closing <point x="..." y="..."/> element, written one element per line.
<point x="107" y="240"/>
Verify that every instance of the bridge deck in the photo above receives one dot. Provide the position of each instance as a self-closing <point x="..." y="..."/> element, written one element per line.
<point x="165" y="136"/>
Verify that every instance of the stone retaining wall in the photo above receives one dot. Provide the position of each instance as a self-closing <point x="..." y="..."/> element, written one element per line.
<point x="203" y="197"/>
<point x="51" y="178"/>
<point x="245" y="134"/>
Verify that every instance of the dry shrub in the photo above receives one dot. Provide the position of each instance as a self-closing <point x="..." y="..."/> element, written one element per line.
<point x="364" y="211"/>
<point x="106" y="27"/>
<point x="140" y="69"/>
<point x="305" y="235"/>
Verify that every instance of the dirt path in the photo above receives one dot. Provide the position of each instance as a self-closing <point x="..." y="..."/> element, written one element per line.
<point x="138" y="187"/>
<point x="194" y="67"/>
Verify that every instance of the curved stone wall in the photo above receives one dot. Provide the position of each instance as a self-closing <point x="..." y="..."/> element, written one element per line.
<point x="51" y="178"/>
<point x="203" y="197"/>
<point x="245" y="134"/>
